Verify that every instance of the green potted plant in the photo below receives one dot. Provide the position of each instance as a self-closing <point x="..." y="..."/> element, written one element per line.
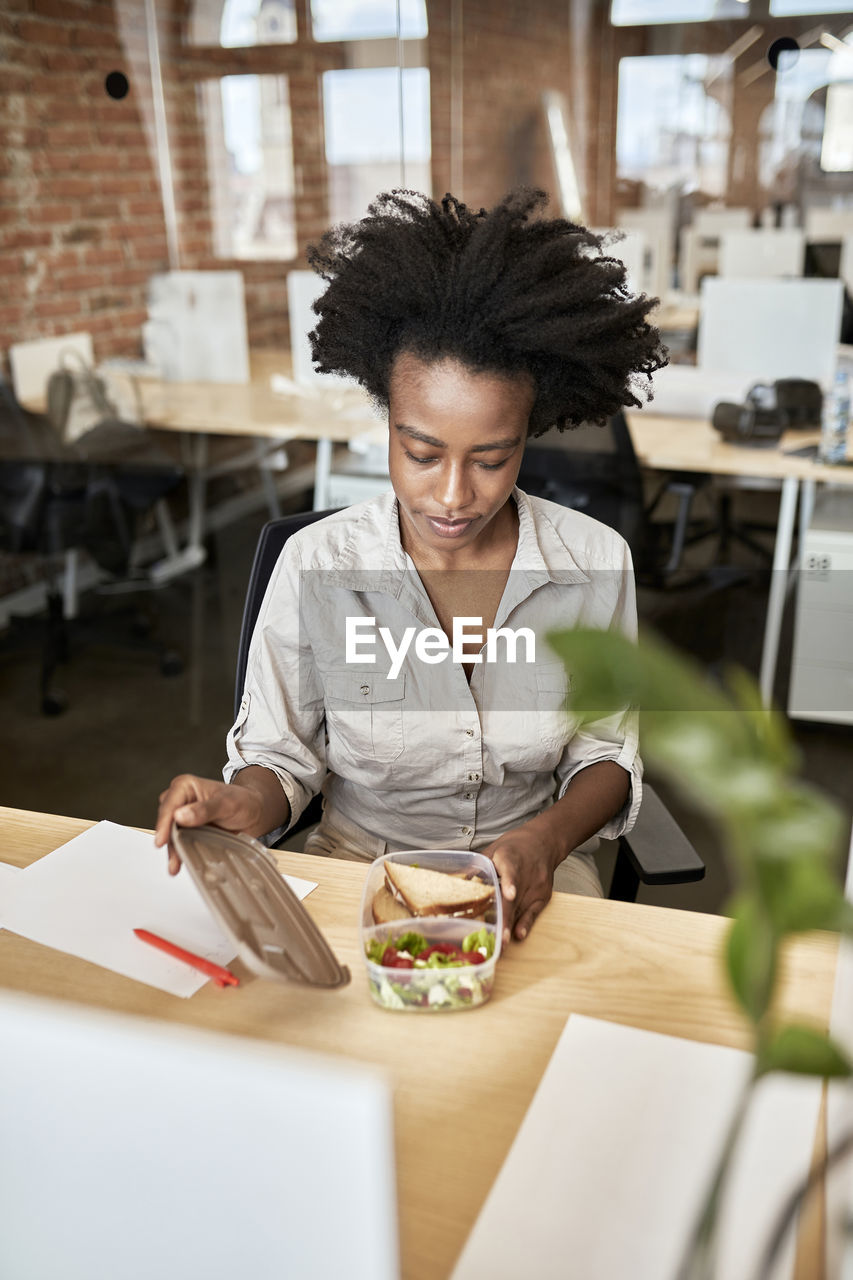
<point x="735" y="761"/>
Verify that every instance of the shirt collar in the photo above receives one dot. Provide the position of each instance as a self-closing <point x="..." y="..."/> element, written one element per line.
<point x="373" y="558"/>
<point x="541" y="552"/>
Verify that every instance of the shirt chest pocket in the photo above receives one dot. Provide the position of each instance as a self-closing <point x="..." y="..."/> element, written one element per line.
<point x="552" y="687"/>
<point x="364" y="714"/>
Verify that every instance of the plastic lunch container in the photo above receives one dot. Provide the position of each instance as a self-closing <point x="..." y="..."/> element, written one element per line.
<point x="433" y="990"/>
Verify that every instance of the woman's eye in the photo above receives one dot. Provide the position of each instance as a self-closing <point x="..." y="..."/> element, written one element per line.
<point x="492" y="466"/>
<point x="422" y="461"/>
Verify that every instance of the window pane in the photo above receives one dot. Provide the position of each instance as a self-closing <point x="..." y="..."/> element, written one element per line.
<point x="362" y="126"/>
<point x="791" y="8"/>
<point x="236" y="23"/>
<point x="836" y="153"/>
<point x="669" y="131"/>
<point x="367" y="19"/>
<point x="799" y="136"/>
<point x="627" y="13"/>
<point x="250" y="164"/>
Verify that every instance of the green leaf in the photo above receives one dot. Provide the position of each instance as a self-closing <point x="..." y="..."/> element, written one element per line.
<point x="802" y="894"/>
<point x="769" y="728"/>
<point x="412" y="942"/>
<point x="609" y="671"/>
<point x="804" y="1051"/>
<point x="751" y="957"/>
<point x="801" y="823"/>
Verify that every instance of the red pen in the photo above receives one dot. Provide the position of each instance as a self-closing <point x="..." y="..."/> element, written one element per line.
<point x="222" y="977"/>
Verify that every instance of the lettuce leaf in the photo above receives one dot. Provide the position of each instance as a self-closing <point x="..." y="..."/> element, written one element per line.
<point x="480" y="940"/>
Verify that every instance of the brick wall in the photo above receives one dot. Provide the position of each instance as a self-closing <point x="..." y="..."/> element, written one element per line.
<point x="80" y="230"/>
<point x="82" y="225"/>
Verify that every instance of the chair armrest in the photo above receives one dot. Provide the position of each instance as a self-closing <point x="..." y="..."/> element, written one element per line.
<point x="655" y="851"/>
<point x="658" y="848"/>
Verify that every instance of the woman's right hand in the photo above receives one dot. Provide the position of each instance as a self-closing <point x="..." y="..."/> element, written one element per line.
<point x="193" y="802"/>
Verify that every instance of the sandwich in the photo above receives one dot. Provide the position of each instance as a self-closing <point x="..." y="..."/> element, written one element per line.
<point x="420" y="892"/>
<point x="386" y="908"/>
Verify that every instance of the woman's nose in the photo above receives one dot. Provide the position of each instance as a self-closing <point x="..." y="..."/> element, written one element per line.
<point x="455" y="490"/>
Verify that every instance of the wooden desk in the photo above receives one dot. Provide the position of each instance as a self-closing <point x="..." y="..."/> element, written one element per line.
<point x="462" y="1081"/>
<point x="691" y="444"/>
<point x="251" y="411"/>
<point x="199" y="410"/>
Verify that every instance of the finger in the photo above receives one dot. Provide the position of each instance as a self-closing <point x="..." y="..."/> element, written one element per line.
<point x="508" y="897"/>
<point x="179" y="791"/>
<point x="509" y="891"/>
<point x="174" y="864"/>
<point x="527" y="917"/>
<point x="196" y="813"/>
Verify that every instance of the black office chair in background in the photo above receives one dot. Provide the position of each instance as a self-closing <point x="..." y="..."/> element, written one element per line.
<point x="655" y="852"/>
<point x="595" y="470"/>
<point x="56" y="498"/>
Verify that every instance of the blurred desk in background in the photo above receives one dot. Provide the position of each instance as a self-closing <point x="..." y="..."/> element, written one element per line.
<point x="692" y="444"/>
<point x="267" y="419"/>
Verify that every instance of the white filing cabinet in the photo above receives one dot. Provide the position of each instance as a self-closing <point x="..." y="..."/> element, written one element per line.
<point x="821" y="685"/>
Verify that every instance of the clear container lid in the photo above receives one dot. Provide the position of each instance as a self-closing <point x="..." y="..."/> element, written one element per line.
<point x="271" y="929"/>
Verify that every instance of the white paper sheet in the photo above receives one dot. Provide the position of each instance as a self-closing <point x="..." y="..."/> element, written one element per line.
<point x="8" y="875"/>
<point x="612" y="1161"/>
<point x="134" y="1148"/>
<point x="88" y="896"/>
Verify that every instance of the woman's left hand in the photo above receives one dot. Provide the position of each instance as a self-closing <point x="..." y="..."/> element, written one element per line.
<point x="525" y="859"/>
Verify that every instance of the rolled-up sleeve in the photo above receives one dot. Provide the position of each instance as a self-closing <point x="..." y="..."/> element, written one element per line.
<point x="280" y="724"/>
<point x="614" y="737"/>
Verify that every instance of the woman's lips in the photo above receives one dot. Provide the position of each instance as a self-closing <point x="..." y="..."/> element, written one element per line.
<point x="448" y="528"/>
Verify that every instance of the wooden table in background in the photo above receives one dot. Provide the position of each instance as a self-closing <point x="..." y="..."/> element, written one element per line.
<point x="251" y="412"/>
<point x="462" y="1082"/>
<point x="691" y="444"/>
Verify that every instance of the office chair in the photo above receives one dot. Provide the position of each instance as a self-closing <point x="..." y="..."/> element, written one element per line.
<point x="56" y="498"/>
<point x="595" y="470"/>
<point x="656" y="851"/>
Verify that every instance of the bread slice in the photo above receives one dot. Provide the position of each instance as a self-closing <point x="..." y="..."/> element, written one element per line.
<point x="433" y="893"/>
<point x="386" y="908"/>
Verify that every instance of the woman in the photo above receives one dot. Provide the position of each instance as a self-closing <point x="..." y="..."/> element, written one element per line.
<point x="475" y="330"/>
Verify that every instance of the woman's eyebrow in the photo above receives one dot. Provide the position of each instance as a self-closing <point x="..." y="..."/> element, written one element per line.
<point x="508" y="442"/>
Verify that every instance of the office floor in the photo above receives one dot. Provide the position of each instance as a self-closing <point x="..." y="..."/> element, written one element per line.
<point x="128" y="729"/>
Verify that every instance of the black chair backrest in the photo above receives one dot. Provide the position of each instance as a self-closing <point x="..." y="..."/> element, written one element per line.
<point x="594" y="470"/>
<point x="270" y="543"/>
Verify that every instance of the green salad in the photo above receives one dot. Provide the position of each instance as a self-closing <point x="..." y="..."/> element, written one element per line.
<point x="420" y="986"/>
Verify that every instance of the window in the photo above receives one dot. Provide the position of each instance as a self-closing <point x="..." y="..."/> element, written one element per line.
<point x="836" y="153"/>
<point x="669" y="129"/>
<point x="250" y="166"/>
<point x="627" y="13"/>
<point x="795" y="8"/>
<point x="795" y="127"/>
<point x="235" y="24"/>
<point x="367" y="19"/>
<point x="364" y="149"/>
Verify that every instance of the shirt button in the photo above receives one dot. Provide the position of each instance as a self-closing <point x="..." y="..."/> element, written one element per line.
<point x="470" y="733"/>
<point x="473" y="777"/>
<point x="469" y="795"/>
<point x="466" y="831"/>
<point x="365" y="689"/>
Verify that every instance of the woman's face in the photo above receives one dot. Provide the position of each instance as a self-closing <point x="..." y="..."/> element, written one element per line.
<point x="456" y="443"/>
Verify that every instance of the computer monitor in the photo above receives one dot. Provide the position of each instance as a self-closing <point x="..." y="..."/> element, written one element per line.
<point x="768" y="329"/>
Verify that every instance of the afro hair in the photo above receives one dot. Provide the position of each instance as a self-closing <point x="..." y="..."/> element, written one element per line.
<point x="500" y="291"/>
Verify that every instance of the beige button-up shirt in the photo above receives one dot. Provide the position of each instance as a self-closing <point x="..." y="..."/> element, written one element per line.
<point x="408" y="749"/>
